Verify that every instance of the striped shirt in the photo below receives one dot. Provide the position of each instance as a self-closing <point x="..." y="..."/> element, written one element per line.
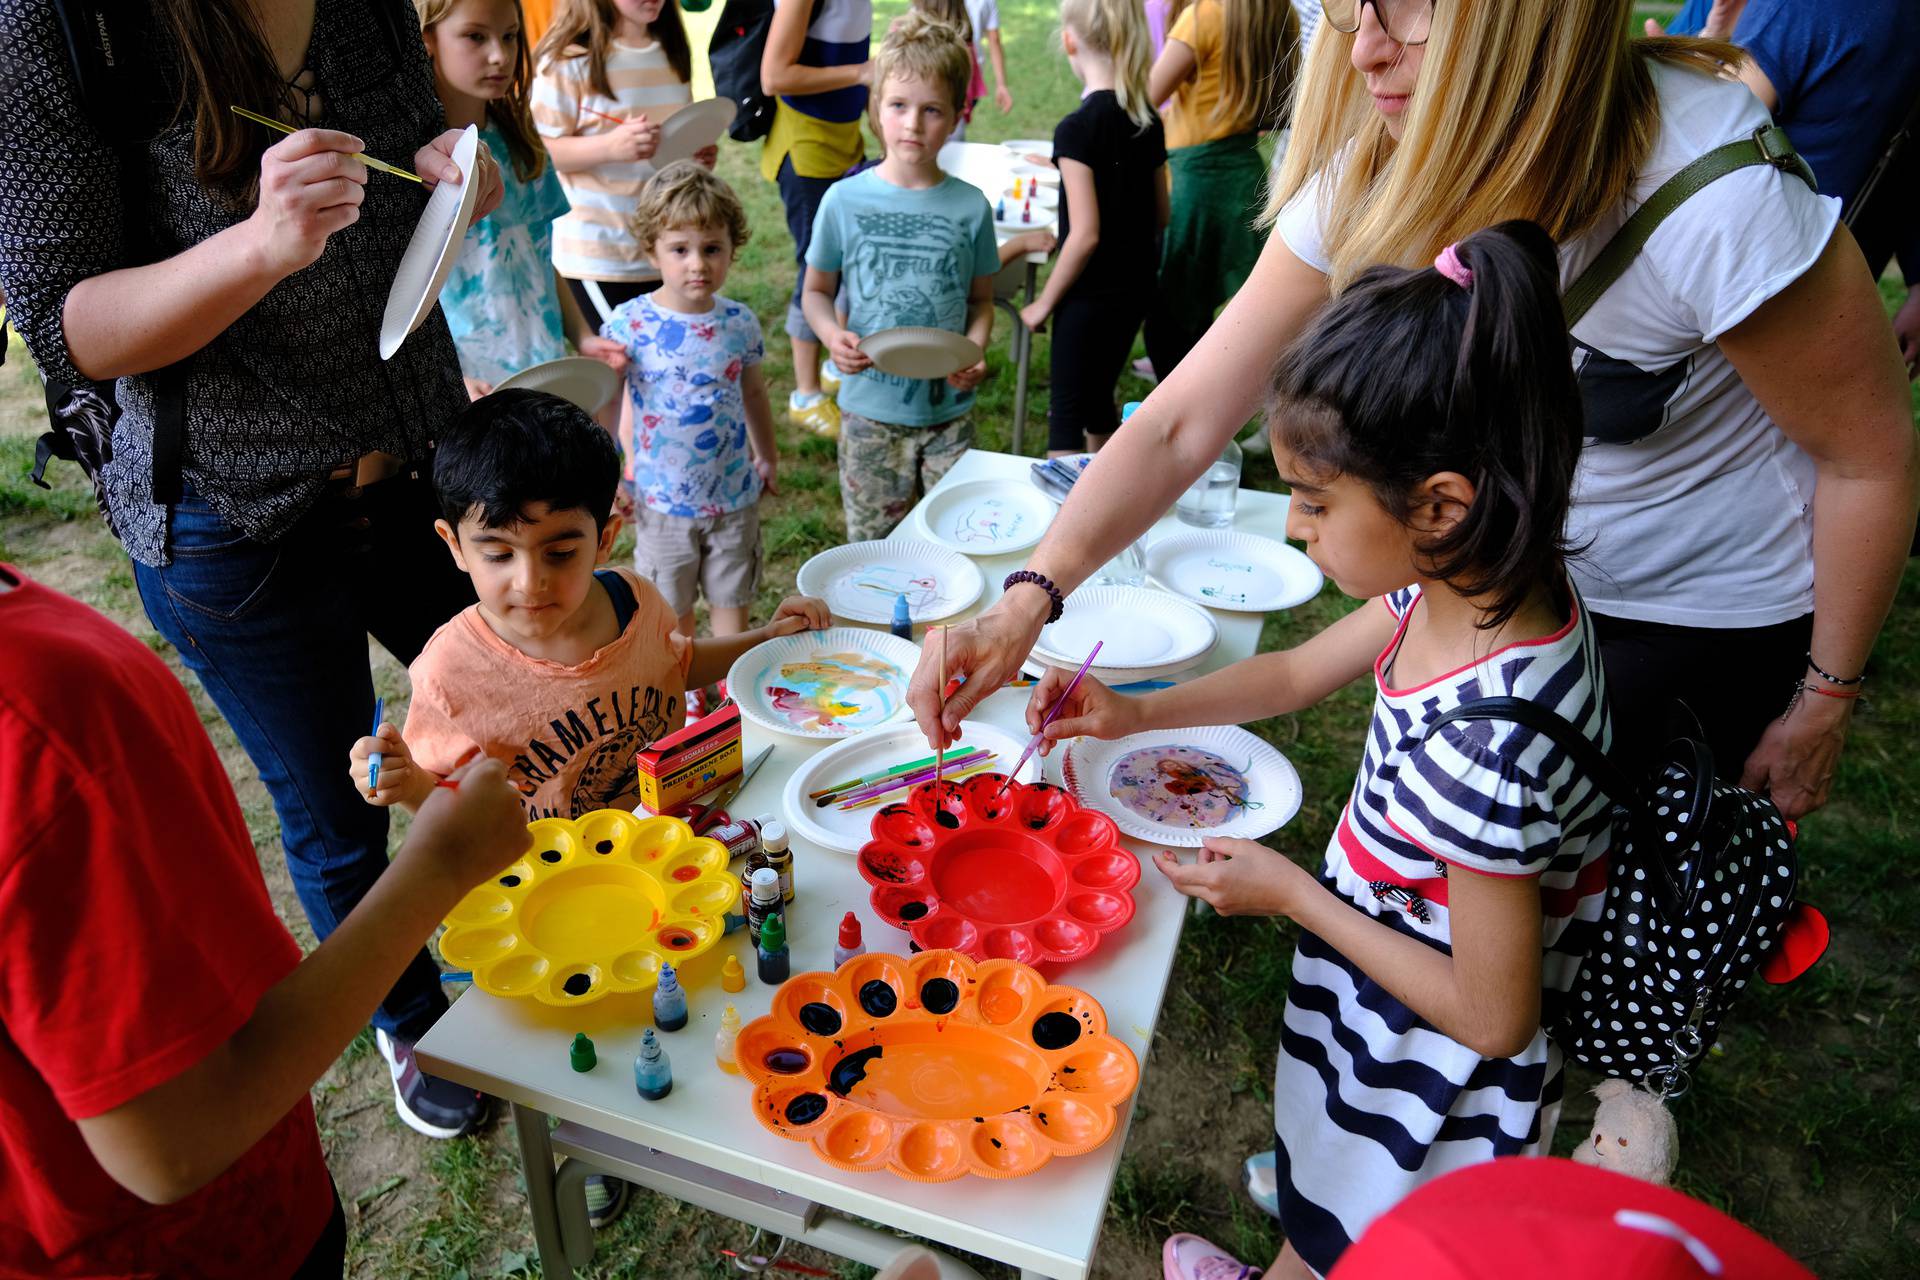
<point x="595" y="241"/>
<point x="1370" y="1100"/>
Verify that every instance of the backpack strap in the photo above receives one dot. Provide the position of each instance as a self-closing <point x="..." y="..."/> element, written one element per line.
<point x="1587" y="756"/>
<point x="1766" y="145"/>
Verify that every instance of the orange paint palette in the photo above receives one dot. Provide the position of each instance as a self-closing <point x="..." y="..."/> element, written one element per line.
<point x="1023" y="874"/>
<point x="596" y="906"/>
<point x="933" y="1066"/>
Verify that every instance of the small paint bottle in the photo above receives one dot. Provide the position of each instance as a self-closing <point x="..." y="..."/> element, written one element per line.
<point x="773" y="839"/>
<point x="580" y="1055"/>
<point x="669" y="1001"/>
<point x="775" y="965"/>
<point x="732" y="976"/>
<point x="755" y="860"/>
<point x="652" y="1071"/>
<point x="850" y="943"/>
<point x="741" y="836"/>
<point x="1000" y="211"/>
<point x="723" y="1041"/>
<point x="765" y="900"/>
<point x="902" y="617"/>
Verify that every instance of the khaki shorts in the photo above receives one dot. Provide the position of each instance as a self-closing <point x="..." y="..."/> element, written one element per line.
<point x="690" y="556"/>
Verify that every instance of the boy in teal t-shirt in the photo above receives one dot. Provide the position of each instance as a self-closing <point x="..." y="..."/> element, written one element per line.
<point x="912" y="246"/>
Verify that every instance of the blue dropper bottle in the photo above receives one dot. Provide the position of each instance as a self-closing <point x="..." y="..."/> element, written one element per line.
<point x="902" y="617"/>
<point x="652" y="1072"/>
<point x="669" y="1001"/>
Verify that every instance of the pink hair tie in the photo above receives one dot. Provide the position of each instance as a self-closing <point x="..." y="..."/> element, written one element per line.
<point x="1449" y="265"/>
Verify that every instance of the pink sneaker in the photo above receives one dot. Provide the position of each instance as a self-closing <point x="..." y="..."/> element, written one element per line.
<point x="1188" y="1257"/>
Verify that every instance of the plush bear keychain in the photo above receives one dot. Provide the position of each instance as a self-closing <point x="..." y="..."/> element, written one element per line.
<point x="1633" y="1133"/>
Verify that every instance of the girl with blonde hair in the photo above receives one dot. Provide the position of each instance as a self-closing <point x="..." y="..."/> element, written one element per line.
<point x="1223" y="76"/>
<point x="1747" y="491"/>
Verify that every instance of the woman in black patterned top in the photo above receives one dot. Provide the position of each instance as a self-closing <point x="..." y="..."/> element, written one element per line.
<point x="232" y="292"/>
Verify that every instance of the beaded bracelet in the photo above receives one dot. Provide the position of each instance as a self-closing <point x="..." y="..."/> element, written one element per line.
<point x="1828" y="676"/>
<point x="1044" y="583"/>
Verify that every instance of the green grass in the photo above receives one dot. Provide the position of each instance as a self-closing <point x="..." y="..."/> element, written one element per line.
<point x="1806" y="1124"/>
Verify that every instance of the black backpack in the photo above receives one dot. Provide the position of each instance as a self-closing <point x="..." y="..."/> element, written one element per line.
<point x="739" y="40"/>
<point x="1700" y="894"/>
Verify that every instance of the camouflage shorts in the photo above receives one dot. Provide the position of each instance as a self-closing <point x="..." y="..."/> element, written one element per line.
<point x="885" y="469"/>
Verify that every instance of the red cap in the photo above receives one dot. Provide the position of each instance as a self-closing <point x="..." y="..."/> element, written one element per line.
<point x="850" y="931"/>
<point x="1539" y="1216"/>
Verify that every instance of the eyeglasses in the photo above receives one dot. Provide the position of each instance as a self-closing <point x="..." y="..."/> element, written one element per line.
<point x="1407" y="22"/>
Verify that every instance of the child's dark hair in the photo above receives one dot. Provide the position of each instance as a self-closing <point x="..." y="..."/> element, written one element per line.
<point x="1407" y="374"/>
<point x="514" y="448"/>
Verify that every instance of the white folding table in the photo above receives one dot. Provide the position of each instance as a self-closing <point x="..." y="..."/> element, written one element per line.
<point x="702" y="1143"/>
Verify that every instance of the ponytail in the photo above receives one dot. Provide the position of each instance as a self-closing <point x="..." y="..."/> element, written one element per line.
<point x="1409" y="373"/>
<point x="1118" y="29"/>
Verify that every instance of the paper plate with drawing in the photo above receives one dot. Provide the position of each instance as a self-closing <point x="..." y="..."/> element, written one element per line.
<point x="1179" y="786"/>
<point x="824" y="684"/>
<point x="1240" y="571"/>
<point x="860" y="582"/>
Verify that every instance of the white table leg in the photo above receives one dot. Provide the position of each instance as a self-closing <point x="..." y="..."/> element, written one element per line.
<point x="536" y="1163"/>
<point x="1022" y="357"/>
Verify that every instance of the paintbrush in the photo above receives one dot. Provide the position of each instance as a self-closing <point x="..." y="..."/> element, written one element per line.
<point x="826" y="794"/>
<point x="967" y="770"/>
<point x="940" y="751"/>
<point x="914" y="778"/>
<point x="361" y="156"/>
<point x="1052" y="711"/>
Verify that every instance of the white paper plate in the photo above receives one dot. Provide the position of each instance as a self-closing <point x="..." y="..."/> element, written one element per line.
<point x="986" y="517"/>
<point x="696" y="125"/>
<point x="431" y="252"/>
<point x="869" y="753"/>
<point x="1075" y="462"/>
<point x="1044" y="197"/>
<point x="1022" y="147"/>
<point x="1045" y="172"/>
<point x="1256" y="772"/>
<point x="859" y="582"/>
<point x="824" y="684"/>
<point x="1139" y="629"/>
<point x="916" y="351"/>
<point x="1042" y="219"/>
<point x="587" y="383"/>
<point x="1240" y="571"/>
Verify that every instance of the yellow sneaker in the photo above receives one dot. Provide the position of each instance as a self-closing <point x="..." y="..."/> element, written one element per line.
<point x="829" y="378"/>
<point x="818" y="414"/>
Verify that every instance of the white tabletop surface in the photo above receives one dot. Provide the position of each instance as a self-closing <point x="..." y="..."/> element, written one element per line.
<point x="989" y="166"/>
<point x="1049" y="1221"/>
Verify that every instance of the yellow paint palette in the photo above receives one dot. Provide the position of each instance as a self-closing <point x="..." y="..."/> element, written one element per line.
<point x="595" y="908"/>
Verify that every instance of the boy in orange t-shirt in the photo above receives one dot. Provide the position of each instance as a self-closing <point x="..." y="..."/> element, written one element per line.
<point x="561" y="672"/>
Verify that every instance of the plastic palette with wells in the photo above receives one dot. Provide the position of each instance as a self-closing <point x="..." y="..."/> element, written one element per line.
<point x="594" y="909"/>
<point x="1029" y="875"/>
<point x="934" y="1066"/>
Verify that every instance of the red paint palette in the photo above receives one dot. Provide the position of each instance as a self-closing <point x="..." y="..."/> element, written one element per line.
<point x="1029" y="875"/>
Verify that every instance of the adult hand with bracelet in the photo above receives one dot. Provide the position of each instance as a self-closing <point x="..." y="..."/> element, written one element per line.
<point x="1797" y="755"/>
<point x="987" y="650"/>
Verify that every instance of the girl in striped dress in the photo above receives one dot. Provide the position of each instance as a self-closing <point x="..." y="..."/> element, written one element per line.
<point x="1428" y="425"/>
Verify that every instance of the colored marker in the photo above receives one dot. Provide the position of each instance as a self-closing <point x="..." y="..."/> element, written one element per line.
<point x="373" y="758"/>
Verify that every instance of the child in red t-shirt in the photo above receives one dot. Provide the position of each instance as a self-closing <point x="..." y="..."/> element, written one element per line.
<point x="159" y="1029"/>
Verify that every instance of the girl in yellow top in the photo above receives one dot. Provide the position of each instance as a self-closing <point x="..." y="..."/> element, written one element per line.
<point x="1223" y="75"/>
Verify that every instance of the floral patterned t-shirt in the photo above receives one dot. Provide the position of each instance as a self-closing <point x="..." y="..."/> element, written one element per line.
<point x="687" y="453"/>
<point x="500" y="299"/>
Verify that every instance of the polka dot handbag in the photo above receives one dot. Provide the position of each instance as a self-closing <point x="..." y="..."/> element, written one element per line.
<point x="1700" y="889"/>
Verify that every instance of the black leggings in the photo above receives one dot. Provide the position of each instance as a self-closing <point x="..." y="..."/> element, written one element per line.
<point x="1092" y="337"/>
<point x="1735" y="680"/>
<point x="327" y="1260"/>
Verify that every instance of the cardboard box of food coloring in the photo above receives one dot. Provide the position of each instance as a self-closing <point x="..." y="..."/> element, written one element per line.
<point x="683" y="766"/>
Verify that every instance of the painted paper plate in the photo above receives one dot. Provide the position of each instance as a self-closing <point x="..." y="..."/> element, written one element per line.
<point x="1047" y="477"/>
<point x="932" y="1067"/>
<point x="916" y="351"/>
<point x="430" y="254"/>
<point x="595" y="907"/>
<point x="586" y="383"/>
<point x="1139" y="629"/>
<point x="824" y="684"/>
<point x="847" y="830"/>
<point x="1029" y="875"/>
<point x="696" y="125"/>
<point x="1179" y="786"/>
<point x="1241" y="571"/>
<point x="860" y="582"/>
<point x="986" y="517"/>
<point x="1023" y="147"/>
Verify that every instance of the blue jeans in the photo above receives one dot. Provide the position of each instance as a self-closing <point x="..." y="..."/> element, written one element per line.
<point x="801" y="197"/>
<point x="277" y="634"/>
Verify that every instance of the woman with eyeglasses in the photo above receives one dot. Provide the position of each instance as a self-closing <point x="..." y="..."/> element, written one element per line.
<point x="1747" y="492"/>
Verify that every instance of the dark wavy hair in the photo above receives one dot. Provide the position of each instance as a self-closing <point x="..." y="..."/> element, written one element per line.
<point x="509" y="450"/>
<point x="1406" y="374"/>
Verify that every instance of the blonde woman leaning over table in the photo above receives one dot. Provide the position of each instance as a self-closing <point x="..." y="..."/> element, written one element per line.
<point x="1748" y="485"/>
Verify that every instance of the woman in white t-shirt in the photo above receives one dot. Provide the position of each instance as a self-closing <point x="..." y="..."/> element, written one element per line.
<point x="1749" y="483"/>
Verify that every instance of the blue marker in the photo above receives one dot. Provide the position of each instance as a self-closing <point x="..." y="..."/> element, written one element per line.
<point x="902" y="617"/>
<point x="373" y="758"/>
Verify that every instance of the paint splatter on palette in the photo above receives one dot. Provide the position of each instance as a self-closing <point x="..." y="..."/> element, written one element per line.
<point x="1174" y="786"/>
<point x="837" y="692"/>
